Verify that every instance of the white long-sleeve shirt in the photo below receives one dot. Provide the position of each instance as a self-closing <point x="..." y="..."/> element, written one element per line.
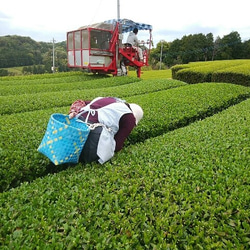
<point x="132" y="39"/>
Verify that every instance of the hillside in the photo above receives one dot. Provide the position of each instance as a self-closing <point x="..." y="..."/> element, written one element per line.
<point x="24" y="51"/>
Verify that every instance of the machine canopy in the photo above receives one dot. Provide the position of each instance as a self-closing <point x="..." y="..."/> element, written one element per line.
<point x="127" y="25"/>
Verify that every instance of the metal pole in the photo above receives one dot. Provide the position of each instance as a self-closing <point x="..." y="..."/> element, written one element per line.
<point x="118" y="45"/>
<point x="118" y="9"/>
<point x="53" y="67"/>
<point x="161" y="55"/>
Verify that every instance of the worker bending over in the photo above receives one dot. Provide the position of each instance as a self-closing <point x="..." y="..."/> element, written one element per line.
<point x="111" y="121"/>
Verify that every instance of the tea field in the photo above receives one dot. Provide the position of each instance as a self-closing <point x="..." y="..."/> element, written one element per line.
<point x="182" y="181"/>
<point x="231" y="71"/>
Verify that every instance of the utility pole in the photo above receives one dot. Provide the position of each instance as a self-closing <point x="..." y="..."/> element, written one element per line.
<point x="161" y="55"/>
<point x="118" y="9"/>
<point x="118" y="59"/>
<point x="53" y="56"/>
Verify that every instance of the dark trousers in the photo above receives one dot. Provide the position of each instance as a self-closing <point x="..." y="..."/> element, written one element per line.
<point x="89" y="152"/>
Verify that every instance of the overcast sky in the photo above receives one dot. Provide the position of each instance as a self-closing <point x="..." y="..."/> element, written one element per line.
<point x="48" y="19"/>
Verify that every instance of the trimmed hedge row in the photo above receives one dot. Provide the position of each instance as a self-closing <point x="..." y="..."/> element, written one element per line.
<point x="163" y="111"/>
<point x="65" y="84"/>
<point x="47" y="78"/>
<point x="186" y="189"/>
<point x="122" y="87"/>
<point x="152" y="74"/>
<point x="210" y="66"/>
<point x="237" y="75"/>
<point x="232" y="71"/>
<point x="174" y="108"/>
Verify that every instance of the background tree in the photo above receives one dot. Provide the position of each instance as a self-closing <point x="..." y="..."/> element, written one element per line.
<point x="60" y="57"/>
<point x="197" y="47"/>
<point x="209" y="47"/>
<point x="230" y="47"/>
<point x="175" y="53"/>
<point x="18" y="51"/>
<point x="246" y="49"/>
<point x="216" y="47"/>
<point x="36" y="57"/>
<point x="159" y="54"/>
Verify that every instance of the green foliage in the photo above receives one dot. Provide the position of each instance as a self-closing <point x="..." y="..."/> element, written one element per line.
<point x="234" y="71"/>
<point x="153" y="74"/>
<point x="46" y="78"/>
<point x="18" y="51"/>
<point x="181" y="182"/>
<point x="173" y="108"/>
<point x="181" y="190"/>
<point x="35" y="69"/>
<point x="24" y="51"/>
<point x="88" y="90"/>
<point x="200" y="47"/>
<point x="239" y="74"/>
<point x="4" y="72"/>
<point x="177" y="68"/>
<point x="230" y="47"/>
<point x="164" y="110"/>
<point x="58" y="84"/>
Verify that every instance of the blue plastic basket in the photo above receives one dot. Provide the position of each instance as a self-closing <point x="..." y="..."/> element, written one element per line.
<point x="64" y="139"/>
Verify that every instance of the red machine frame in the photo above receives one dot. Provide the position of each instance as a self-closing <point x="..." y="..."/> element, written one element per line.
<point x="110" y="56"/>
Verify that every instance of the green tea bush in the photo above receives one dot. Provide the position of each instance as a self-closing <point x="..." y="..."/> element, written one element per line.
<point x="186" y="189"/>
<point x="47" y="78"/>
<point x="174" y="108"/>
<point x="64" y="84"/>
<point x="197" y="65"/>
<point x="164" y="110"/>
<point x="237" y="75"/>
<point x="152" y="74"/>
<point x="181" y="181"/>
<point x="177" y="68"/>
<point x="120" y="87"/>
<point x="204" y="71"/>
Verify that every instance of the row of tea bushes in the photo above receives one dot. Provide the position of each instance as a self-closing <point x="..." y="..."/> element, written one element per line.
<point x="212" y="64"/>
<point x="174" y="108"/>
<point x="186" y="189"/>
<point x="47" y="78"/>
<point x="237" y="75"/>
<point x="63" y="84"/>
<point x="165" y="110"/>
<point x="232" y="71"/>
<point x="152" y="74"/>
<point x="126" y="86"/>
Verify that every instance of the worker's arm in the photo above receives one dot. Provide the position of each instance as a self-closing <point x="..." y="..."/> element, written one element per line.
<point x="126" y="125"/>
<point x="76" y="106"/>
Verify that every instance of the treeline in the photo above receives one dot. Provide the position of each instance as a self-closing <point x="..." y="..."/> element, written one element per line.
<point x="199" y="47"/>
<point x="35" y="57"/>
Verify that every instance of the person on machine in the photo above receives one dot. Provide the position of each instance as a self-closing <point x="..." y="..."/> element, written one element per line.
<point x="133" y="40"/>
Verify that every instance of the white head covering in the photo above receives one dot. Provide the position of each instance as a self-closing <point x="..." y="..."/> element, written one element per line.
<point x="137" y="112"/>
